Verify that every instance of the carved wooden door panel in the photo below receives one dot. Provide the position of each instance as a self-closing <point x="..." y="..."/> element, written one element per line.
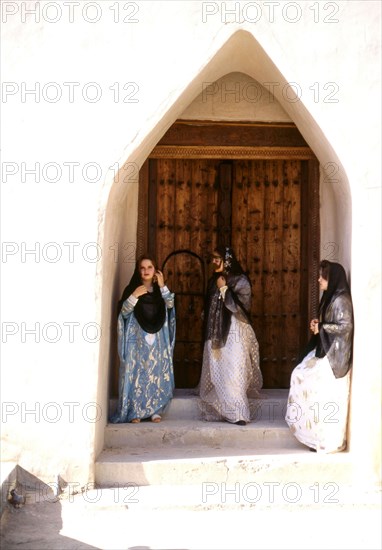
<point x="266" y="236"/>
<point x="183" y="229"/>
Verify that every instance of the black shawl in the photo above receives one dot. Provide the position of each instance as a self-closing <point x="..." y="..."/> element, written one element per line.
<point x="150" y="310"/>
<point x="334" y="338"/>
<point x="217" y="317"/>
<point x="337" y="285"/>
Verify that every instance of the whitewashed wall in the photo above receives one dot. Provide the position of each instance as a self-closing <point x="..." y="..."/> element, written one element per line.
<point x="108" y="84"/>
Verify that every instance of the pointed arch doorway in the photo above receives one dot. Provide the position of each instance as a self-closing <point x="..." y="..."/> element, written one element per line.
<point x="203" y="185"/>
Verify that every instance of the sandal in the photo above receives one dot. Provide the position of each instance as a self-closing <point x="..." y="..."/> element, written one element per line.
<point x="135" y="420"/>
<point x="156" y="418"/>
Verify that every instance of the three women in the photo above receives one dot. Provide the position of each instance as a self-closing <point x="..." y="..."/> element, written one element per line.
<point x="319" y="390"/>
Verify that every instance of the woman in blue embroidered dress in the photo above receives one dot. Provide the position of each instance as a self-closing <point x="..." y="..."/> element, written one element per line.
<point x="146" y="338"/>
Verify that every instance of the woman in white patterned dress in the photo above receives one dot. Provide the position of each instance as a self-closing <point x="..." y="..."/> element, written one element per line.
<point x="319" y="390"/>
<point x="231" y="351"/>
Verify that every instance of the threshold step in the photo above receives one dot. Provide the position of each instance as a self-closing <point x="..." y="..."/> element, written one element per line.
<point x="186" y="405"/>
<point x="231" y="496"/>
<point x="179" y="465"/>
<point x="171" y="432"/>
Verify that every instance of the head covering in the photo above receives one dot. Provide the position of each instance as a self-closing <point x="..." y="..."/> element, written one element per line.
<point x="150" y="310"/>
<point x="230" y="262"/>
<point x="217" y="317"/>
<point x="337" y="284"/>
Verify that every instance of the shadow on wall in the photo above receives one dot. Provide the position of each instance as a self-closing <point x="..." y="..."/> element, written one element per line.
<point x="32" y="514"/>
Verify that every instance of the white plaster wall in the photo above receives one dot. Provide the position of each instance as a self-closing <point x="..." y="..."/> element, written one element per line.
<point x="235" y="97"/>
<point x="167" y="55"/>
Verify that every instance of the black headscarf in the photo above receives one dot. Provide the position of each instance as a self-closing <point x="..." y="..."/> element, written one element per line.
<point x="230" y="262"/>
<point x="150" y="310"/>
<point x="337" y="284"/>
<point x="217" y="317"/>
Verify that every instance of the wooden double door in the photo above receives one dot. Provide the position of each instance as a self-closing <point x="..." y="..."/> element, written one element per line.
<point x="267" y="210"/>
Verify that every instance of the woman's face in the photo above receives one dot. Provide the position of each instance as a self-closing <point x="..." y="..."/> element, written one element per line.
<point x="147" y="271"/>
<point x="217" y="261"/>
<point x="323" y="282"/>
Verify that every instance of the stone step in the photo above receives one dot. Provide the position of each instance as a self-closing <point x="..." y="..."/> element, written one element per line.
<point x="186" y="405"/>
<point x="195" y="433"/>
<point x="181" y="426"/>
<point x="184" y="450"/>
<point x="196" y="466"/>
<point x="236" y="496"/>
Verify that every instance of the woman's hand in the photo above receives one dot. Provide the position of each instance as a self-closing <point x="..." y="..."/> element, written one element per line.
<point x="140" y="291"/>
<point x="314" y="326"/>
<point x="160" y="278"/>
<point x="221" y="281"/>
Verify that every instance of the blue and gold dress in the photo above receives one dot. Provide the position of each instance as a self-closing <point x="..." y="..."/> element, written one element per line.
<point x="146" y="374"/>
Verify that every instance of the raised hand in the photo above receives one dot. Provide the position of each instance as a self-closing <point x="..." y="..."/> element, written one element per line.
<point x="314" y="326"/>
<point x="221" y="281"/>
<point x="160" y="278"/>
<point x="140" y="291"/>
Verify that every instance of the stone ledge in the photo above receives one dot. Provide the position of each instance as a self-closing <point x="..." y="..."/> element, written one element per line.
<point x="185" y="405"/>
<point x="179" y="465"/>
<point x="227" y="496"/>
<point x="199" y="433"/>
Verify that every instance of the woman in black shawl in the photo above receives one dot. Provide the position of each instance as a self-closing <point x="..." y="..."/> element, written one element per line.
<point x="146" y="337"/>
<point x="231" y="351"/>
<point x="319" y="393"/>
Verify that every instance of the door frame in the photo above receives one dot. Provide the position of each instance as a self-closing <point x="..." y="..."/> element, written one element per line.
<point x="187" y="139"/>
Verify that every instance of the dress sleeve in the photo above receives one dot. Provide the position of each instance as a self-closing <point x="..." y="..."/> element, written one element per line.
<point x="128" y="305"/>
<point x="168" y="297"/>
<point x="336" y="335"/>
<point x="342" y="316"/>
<point x="241" y="289"/>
